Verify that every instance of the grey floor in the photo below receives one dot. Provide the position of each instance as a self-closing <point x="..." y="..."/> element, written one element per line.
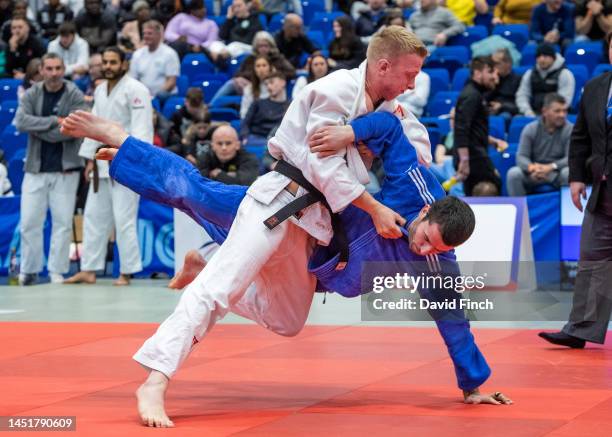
<point x="151" y="301"/>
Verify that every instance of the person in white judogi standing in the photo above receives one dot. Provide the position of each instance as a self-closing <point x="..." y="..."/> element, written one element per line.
<point x="52" y="169"/>
<point x="125" y="100"/>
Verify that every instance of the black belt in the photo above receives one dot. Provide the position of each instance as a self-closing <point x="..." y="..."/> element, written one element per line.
<point x="339" y="242"/>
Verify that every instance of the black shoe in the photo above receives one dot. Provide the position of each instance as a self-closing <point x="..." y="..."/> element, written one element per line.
<point x="563" y="339"/>
<point x="28" y="279"/>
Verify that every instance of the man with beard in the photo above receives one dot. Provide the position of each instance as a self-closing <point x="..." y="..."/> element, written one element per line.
<point x="125" y="100"/>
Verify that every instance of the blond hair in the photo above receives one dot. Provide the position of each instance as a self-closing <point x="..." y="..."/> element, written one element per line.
<point x="393" y="41"/>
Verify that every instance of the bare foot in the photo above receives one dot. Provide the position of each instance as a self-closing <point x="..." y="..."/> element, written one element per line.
<point x="122" y="280"/>
<point x="193" y="264"/>
<point x="82" y="278"/>
<point x="150" y="397"/>
<point x="82" y="124"/>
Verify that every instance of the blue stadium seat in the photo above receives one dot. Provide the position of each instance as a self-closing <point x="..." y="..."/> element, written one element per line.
<point x="323" y="21"/>
<point x="528" y="54"/>
<point x="520" y="70"/>
<point x="182" y="83"/>
<point x="434" y="138"/>
<point x="588" y="54"/>
<point x="7" y="113"/>
<point x="407" y="13"/>
<point x="225" y="4"/>
<point x="258" y="151"/>
<point x="310" y="8"/>
<point x="195" y="65"/>
<point x="440" y="123"/>
<point x="460" y="78"/>
<point x="517" y="33"/>
<point x="8" y="89"/>
<point x="318" y="38"/>
<point x="439" y="79"/>
<point x="172" y="105"/>
<point x="602" y="68"/>
<point x="497" y="127"/>
<point x="276" y="23"/>
<point x="442" y="103"/>
<point x="470" y="36"/>
<point x="572" y="118"/>
<point x="209" y="87"/>
<point x="450" y="58"/>
<point x="516" y="127"/>
<point x="12" y="140"/>
<point x="219" y="19"/>
<point x="223" y="114"/>
<point x="156" y="104"/>
<point x="581" y="75"/>
<point x="16" y="172"/>
<point x="484" y="20"/>
<point x="235" y="63"/>
<point x="236" y="125"/>
<point x="503" y="162"/>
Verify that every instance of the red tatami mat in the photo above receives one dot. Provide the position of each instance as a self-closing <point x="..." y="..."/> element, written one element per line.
<point x="329" y="381"/>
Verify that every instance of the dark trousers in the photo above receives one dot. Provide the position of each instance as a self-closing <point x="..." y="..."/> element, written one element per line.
<point x="592" y="303"/>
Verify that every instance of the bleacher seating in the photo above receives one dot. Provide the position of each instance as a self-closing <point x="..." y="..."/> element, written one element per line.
<point x="471" y="35"/>
<point x="182" y="83"/>
<point x="497" y="127"/>
<point x="195" y="65"/>
<point x="323" y="21"/>
<point x="588" y="54"/>
<point x="581" y="75"/>
<point x="502" y="161"/>
<point x="223" y="114"/>
<point x="442" y="103"/>
<point x="276" y="23"/>
<point x="7" y="113"/>
<point x="460" y="78"/>
<point x="450" y="58"/>
<point x="516" y="127"/>
<point x="172" y="105"/>
<point x="310" y="8"/>
<point x="8" y="89"/>
<point x="209" y="87"/>
<point x="439" y="80"/>
<point x="602" y="68"/>
<point x="16" y="171"/>
<point x="517" y="33"/>
<point x="12" y="140"/>
<point x="318" y="38"/>
<point x="528" y="54"/>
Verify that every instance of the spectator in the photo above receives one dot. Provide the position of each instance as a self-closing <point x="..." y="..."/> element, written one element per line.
<point x="593" y="19"/>
<point x="271" y="7"/>
<point x="543" y="150"/>
<point x="22" y="48"/>
<point x="317" y="67"/>
<point x="502" y="100"/>
<point x="96" y="26"/>
<point x="466" y="10"/>
<point x="346" y="49"/>
<point x="6" y="11"/>
<point x="256" y="89"/>
<point x="225" y="161"/>
<point x="395" y="17"/>
<point x="196" y="141"/>
<point x="51" y="16"/>
<point x="6" y="189"/>
<point x="156" y="65"/>
<point x="163" y="134"/>
<point x="32" y="75"/>
<point x="73" y="50"/>
<point x="266" y="113"/>
<point x="52" y="170"/>
<point x="131" y="36"/>
<point x="471" y="134"/>
<point x="20" y="10"/>
<point x="263" y="44"/>
<point x="193" y="111"/>
<point x="415" y="99"/>
<point x="191" y="32"/>
<point x="434" y="24"/>
<point x="514" y="11"/>
<point x="292" y="42"/>
<point x="109" y="205"/>
<point x="164" y="11"/>
<point x="237" y="32"/>
<point x="93" y="79"/>
<point x="548" y="76"/>
<point x="552" y="22"/>
<point x="371" y="18"/>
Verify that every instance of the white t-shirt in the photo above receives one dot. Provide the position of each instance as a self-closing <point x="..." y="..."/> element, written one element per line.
<point x="152" y="68"/>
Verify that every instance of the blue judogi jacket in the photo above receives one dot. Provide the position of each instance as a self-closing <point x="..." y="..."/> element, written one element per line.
<point x="166" y="178"/>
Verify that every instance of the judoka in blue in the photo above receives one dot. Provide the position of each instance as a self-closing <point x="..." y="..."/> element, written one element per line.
<point x="168" y="179"/>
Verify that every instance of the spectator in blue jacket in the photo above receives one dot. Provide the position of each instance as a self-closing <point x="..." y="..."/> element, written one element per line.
<point x="553" y="22"/>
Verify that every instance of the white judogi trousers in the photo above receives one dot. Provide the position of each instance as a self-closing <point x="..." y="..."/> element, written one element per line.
<point x="39" y="192"/>
<point x="279" y="299"/>
<point x="116" y="205"/>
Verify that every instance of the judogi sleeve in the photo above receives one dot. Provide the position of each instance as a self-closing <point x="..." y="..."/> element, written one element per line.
<point x="141" y="113"/>
<point x="166" y="178"/>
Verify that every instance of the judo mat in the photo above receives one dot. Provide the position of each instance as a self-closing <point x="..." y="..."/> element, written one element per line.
<point x="329" y="380"/>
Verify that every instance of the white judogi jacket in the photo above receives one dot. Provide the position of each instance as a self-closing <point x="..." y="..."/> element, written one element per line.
<point x="129" y="103"/>
<point x="334" y="99"/>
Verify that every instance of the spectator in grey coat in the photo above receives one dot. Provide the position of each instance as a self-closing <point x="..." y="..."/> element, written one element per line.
<point x="434" y="24"/>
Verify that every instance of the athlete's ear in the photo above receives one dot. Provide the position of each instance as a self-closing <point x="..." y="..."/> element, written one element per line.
<point x="383" y="65"/>
<point x="425" y="210"/>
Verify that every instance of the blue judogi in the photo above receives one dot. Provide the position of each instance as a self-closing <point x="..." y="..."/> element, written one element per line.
<point x="168" y="179"/>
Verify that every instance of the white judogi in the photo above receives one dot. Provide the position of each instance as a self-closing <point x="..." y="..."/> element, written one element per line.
<point x="129" y="103"/>
<point x="262" y="274"/>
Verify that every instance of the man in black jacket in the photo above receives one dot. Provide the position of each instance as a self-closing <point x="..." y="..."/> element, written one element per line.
<point x="292" y="42"/>
<point x="591" y="148"/>
<point x="22" y="48"/>
<point x="502" y="100"/>
<point x="226" y="162"/>
<point x="474" y="167"/>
